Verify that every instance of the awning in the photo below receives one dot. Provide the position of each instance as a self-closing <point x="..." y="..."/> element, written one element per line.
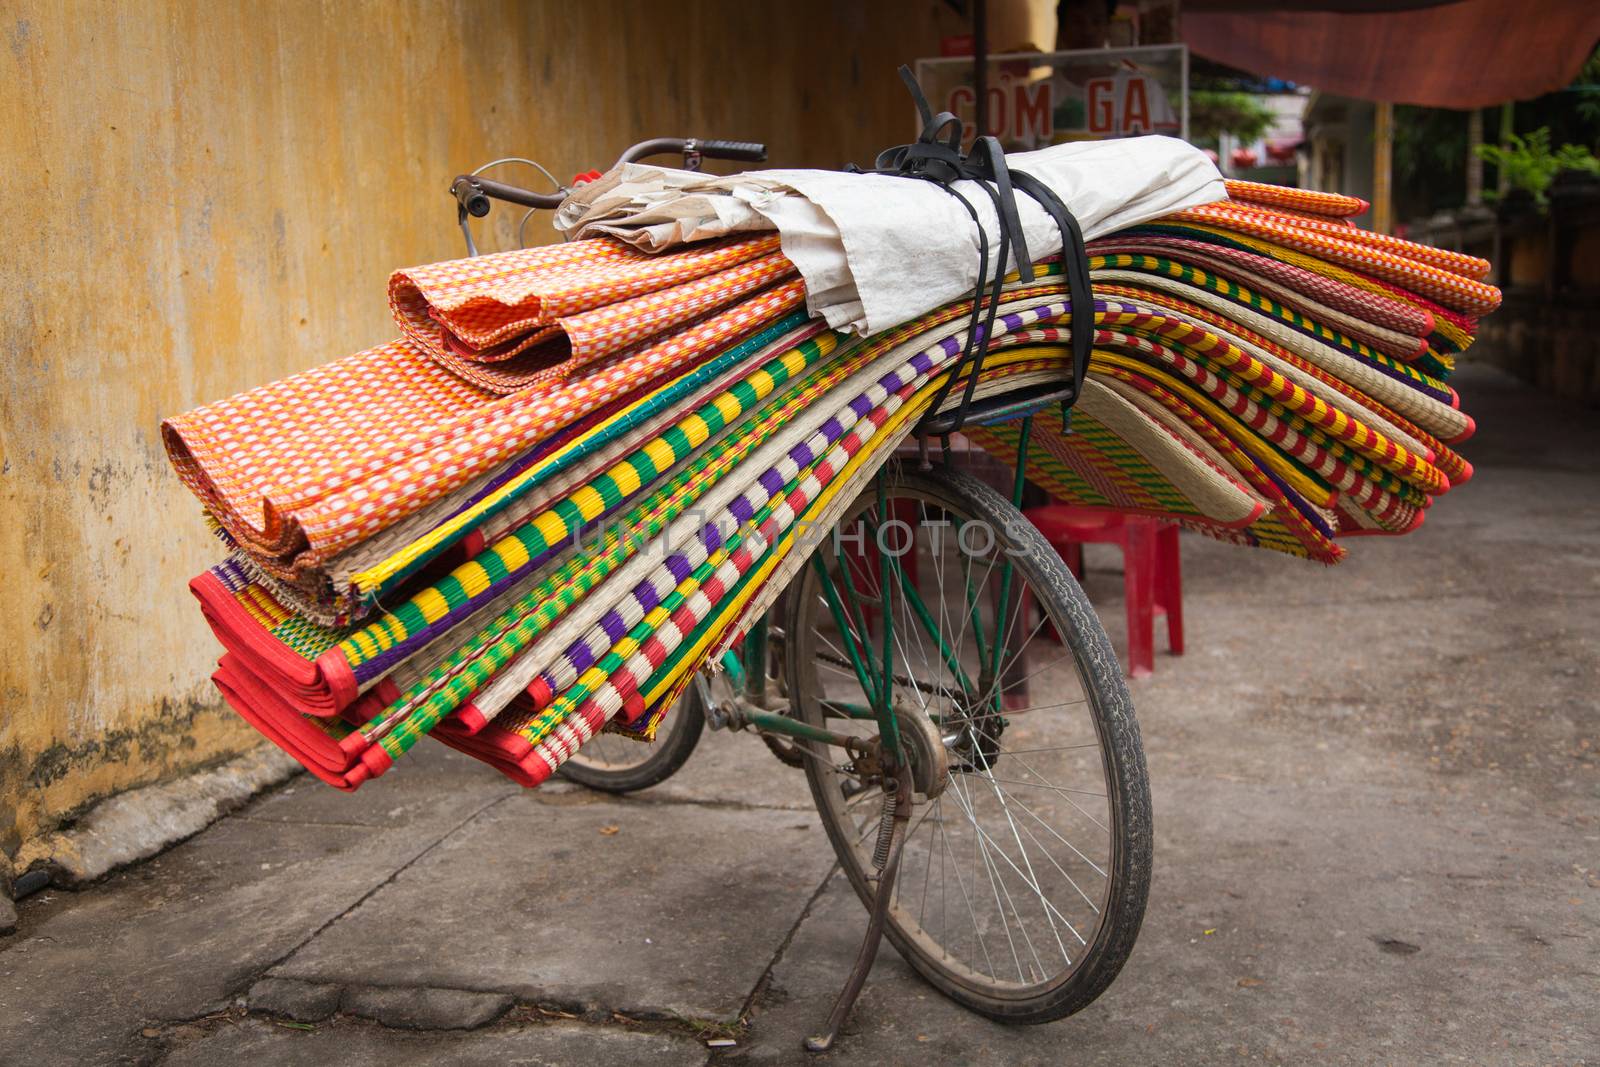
<point x="1473" y="53"/>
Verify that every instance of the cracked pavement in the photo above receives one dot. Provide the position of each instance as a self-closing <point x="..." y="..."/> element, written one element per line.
<point x="1377" y="804"/>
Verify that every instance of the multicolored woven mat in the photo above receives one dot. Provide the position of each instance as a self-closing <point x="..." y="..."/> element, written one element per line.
<point x="578" y="473"/>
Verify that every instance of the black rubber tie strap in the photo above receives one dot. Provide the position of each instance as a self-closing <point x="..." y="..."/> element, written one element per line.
<point x="1075" y="263"/>
<point x="936" y="157"/>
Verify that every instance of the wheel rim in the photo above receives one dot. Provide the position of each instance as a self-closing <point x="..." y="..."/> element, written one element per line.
<point x="1007" y="875"/>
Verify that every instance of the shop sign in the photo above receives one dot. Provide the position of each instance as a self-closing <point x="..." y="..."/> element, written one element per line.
<point x="1041" y="98"/>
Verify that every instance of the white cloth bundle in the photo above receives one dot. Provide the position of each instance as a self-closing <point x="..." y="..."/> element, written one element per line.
<point x="852" y="236"/>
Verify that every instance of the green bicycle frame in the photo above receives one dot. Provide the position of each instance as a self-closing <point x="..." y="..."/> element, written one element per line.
<point x="748" y="668"/>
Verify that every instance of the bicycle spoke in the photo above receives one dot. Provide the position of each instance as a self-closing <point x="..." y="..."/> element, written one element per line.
<point x="1054" y="788"/>
<point x="998" y="887"/>
<point x="857" y="616"/>
<point x="998" y="851"/>
<point x="1032" y="878"/>
<point x="1043" y="848"/>
<point x="1035" y="674"/>
<point x="1048" y="748"/>
<point x="804" y="749"/>
<point x="971" y="602"/>
<point x="961" y="885"/>
<point x="1024" y="765"/>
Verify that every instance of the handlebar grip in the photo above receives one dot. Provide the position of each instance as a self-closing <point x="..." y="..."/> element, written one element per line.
<point x="748" y="151"/>
<point x="469" y="194"/>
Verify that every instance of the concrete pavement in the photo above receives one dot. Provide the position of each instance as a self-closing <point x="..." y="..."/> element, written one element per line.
<point x="1377" y="800"/>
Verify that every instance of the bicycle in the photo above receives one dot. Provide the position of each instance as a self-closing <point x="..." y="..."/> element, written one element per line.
<point x="999" y="837"/>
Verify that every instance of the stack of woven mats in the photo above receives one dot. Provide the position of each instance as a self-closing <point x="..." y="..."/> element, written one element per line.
<point x="579" y="472"/>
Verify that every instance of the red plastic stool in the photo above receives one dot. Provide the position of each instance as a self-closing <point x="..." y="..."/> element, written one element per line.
<point x="1152" y="576"/>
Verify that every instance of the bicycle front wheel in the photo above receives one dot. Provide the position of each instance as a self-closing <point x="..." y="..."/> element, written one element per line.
<point x="614" y="764"/>
<point x="1023" y="878"/>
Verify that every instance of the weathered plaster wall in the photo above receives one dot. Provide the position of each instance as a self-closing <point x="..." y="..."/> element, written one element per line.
<point x="197" y="198"/>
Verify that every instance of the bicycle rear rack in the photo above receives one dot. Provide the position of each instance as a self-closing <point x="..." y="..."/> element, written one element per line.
<point x="1003" y="408"/>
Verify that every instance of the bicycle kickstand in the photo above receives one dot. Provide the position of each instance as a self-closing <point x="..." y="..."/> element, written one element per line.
<point x="901" y="816"/>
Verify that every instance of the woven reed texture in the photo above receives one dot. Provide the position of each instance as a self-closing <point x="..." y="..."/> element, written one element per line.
<point x="580" y="473"/>
<point x="484" y="301"/>
<point x="373" y="567"/>
<point x="1307" y="301"/>
<point x="1310" y="201"/>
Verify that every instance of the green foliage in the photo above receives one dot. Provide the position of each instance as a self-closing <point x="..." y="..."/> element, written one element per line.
<point x="1430" y="144"/>
<point x="1213" y="113"/>
<point x="1530" y="164"/>
<point x="1586" y="89"/>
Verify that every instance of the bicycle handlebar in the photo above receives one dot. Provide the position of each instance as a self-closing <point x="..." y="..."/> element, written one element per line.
<point x="473" y="193"/>
<point x="748" y="151"/>
<point x="691" y="147"/>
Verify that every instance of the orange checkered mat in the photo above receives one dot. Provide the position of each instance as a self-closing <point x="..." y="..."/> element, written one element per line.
<point x="321" y="460"/>
<point x="507" y="320"/>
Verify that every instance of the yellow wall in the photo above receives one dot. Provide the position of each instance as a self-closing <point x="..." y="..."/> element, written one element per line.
<point x="200" y="197"/>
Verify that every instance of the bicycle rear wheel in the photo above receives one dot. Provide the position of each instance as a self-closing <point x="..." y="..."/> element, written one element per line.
<point x="1024" y="875"/>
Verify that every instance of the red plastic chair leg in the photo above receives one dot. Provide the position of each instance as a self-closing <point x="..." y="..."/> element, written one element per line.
<point x="1152" y="573"/>
<point x="1138" y="563"/>
<point x="1072" y="553"/>
<point x="1034" y="615"/>
<point x="1169" y="586"/>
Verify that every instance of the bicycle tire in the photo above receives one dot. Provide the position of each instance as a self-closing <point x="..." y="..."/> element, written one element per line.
<point x="675" y="743"/>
